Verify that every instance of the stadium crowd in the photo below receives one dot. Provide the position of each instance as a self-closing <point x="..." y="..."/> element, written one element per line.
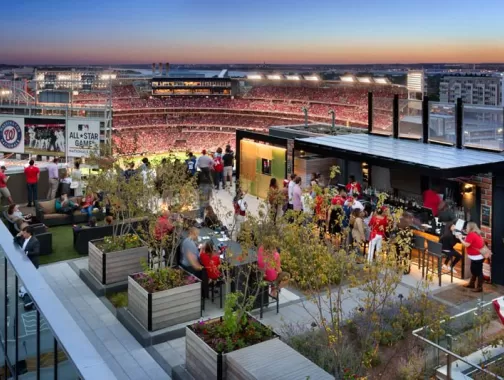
<point x="159" y="139"/>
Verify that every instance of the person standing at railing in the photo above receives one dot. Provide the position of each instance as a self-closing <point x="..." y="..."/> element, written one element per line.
<point x="32" y="174"/>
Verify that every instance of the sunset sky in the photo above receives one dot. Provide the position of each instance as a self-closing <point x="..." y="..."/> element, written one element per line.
<point x="243" y="31"/>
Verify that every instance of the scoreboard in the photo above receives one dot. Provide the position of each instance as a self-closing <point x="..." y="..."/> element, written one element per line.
<point x="193" y="86"/>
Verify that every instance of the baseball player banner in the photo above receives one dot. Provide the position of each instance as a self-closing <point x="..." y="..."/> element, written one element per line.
<point x="83" y="137"/>
<point x="44" y="136"/>
<point x="12" y="134"/>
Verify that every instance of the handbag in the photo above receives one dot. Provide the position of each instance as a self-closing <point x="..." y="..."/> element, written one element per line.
<point x="74" y="185"/>
<point x="486" y="252"/>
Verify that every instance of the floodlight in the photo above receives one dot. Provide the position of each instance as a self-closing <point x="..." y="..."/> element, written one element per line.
<point x="381" y="80"/>
<point x="292" y="77"/>
<point x="64" y="77"/>
<point x="254" y="76"/>
<point x="311" y="77"/>
<point x="274" y="77"/>
<point x="348" y="79"/>
<point x="364" y="80"/>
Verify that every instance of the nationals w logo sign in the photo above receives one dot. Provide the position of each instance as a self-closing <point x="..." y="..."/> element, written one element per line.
<point x="10" y="134"/>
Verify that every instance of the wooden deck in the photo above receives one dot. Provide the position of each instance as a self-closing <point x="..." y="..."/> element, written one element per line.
<point x="272" y="360"/>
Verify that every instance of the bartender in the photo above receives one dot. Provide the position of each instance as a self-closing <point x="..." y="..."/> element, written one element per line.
<point x="353" y="188"/>
<point x="431" y="200"/>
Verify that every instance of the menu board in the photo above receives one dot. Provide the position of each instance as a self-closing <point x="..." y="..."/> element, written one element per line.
<point x="485" y="216"/>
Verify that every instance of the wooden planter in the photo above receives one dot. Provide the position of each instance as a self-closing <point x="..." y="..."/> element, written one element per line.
<point x="116" y="266"/>
<point x="202" y="360"/>
<point x="158" y="310"/>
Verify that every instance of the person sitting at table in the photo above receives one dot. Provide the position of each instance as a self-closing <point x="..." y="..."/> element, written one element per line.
<point x="63" y="205"/>
<point x="189" y="253"/>
<point x="210" y="259"/>
<point x="268" y="261"/>
<point x="211" y="219"/>
<point x="474" y="243"/>
<point x="16" y="216"/>
<point x="378" y="225"/>
<point x="448" y="242"/>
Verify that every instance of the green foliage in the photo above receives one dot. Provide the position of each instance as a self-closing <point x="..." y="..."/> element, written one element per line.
<point x="234" y="330"/>
<point x="119" y="243"/>
<point x="118" y="299"/>
<point x="157" y="280"/>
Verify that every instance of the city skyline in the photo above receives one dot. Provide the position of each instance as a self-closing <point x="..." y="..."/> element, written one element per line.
<point x="295" y="32"/>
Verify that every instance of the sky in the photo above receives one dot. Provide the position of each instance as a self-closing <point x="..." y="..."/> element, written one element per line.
<point x="244" y="31"/>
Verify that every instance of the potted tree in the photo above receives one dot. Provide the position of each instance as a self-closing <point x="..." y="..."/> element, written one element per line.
<point x="112" y="258"/>
<point x="163" y="294"/>
<point x="208" y="343"/>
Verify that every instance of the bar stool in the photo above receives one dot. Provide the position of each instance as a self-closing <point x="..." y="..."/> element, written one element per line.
<point x="264" y="292"/>
<point x="435" y="251"/>
<point x="419" y="244"/>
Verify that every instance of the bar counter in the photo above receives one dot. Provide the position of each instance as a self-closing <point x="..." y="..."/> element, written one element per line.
<point x="463" y="267"/>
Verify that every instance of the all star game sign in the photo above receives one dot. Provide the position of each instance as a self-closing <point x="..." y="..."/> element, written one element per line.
<point x="83" y="137"/>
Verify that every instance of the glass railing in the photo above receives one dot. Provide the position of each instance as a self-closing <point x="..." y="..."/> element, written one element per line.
<point x="410" y="118"/>
<point x="483" y="127"/>
<point x="466" y="346"/>
<point x="442" y="123"/>
<point x="383" y="115"/>
<point x="42" y="340"/>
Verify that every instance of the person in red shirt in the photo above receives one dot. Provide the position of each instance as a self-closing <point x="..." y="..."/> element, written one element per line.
<point x="378" y="226"/>
<point x="474" y="243"/>
<point x="431" y="200"/>
<point x="32" y="174"/>
<point x="353" y="187"/>
<point x="163" y="225"/>
<point x="4" y="191"/>
<point x="211" y="261"/>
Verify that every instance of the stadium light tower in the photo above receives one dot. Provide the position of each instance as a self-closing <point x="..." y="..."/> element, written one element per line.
<point x="333" y="125"/>
<point x="305" y="111"/>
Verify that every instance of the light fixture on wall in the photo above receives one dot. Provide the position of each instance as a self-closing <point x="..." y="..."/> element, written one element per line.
<point x="468" y="188"/>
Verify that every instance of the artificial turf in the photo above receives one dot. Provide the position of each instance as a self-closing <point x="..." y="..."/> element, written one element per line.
<point x="62" y="243"/>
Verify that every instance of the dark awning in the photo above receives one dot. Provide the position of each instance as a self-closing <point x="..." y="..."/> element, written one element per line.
<point x="383" y="151"/>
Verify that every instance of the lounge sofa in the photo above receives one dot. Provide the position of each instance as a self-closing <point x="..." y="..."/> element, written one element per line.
<point x="45" y="212"/>
<point x="82" y="236"/>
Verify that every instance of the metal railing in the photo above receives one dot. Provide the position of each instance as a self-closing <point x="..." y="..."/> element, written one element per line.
<point x="451" y="357"/>
<point x="69" y="342"/>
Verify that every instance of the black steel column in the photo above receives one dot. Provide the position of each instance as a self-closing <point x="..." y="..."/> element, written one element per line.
<point x="459" y="122"/>
<point x="395" y="117"/>
<point x="55" y="359"/>
<point x="370" y="111"/>
<point x="237" y="155"/>
<point x="425" y="120"/>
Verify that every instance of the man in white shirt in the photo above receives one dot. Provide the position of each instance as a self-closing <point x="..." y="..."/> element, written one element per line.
<point x="290" y="190"/>
<point x="204" y="161"/>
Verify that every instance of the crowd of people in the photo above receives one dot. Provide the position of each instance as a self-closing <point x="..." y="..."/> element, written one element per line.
<point x="160" y="139"/>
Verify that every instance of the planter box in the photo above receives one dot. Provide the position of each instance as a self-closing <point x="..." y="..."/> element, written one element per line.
<point x="170" y="307"/>
<point x="201" y="359"/>
<point x="116" y="266"/>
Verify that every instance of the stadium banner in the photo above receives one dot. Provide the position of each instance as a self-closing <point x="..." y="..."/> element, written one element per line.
<point x="44" y="137"/>
<point x="83" y="137"/>
<point x="12" y="134"/>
